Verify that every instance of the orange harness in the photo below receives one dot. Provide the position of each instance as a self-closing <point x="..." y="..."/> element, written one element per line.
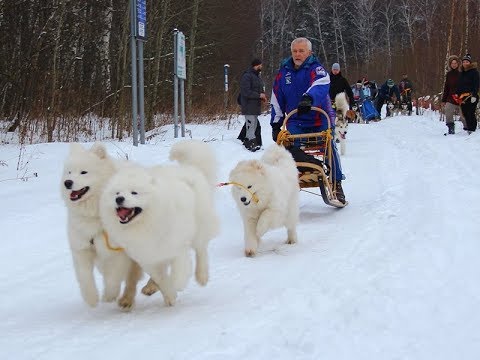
<point x="460" y="99"/>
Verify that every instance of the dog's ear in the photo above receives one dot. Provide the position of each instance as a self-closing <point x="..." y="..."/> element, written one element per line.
<point x="99" y="149"/>
<point x="258" y="166"/>
<point x="75" y="148"/>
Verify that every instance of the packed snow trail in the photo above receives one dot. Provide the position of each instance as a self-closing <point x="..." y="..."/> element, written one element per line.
<point x="394" y="275"/>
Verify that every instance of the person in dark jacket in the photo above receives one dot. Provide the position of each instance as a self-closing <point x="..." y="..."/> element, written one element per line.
<point x="467" y="91"/>
<point x="338" y="84"/>
<point x="252" y="94"/>
<point x="405" y="87"/>
<point x="450" y="106"/>
<point x="388" y="92"/>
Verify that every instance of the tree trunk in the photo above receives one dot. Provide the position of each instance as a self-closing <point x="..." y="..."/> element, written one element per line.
<point x="191" y="57"/>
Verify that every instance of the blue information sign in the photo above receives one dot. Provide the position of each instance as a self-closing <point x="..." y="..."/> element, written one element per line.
<point x="141" y="19"/>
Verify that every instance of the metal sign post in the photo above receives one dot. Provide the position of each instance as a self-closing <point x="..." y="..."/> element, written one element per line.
<point x="141" y="34"/>
<point x="138" y="22"/>
<point x="180" y="74"/>
<point x="225" y="82"/>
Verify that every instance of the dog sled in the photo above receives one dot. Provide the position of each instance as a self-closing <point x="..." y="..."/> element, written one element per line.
<point x="368" y="111"/>
<point x="317" y="147"/>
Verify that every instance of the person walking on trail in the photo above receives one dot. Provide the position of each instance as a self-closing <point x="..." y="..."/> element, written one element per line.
<point x="252" y="94"/>
<point x="450" y="106"/>
<point x="388" y="92"/>
<point x="302" y="82"/>
<point x="405" y="87"/>
<point x="338" y="84"/>
<point x="467" y="91"/>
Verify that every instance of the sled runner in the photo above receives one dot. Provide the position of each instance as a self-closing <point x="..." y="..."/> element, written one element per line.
<point x="313" y="155"/>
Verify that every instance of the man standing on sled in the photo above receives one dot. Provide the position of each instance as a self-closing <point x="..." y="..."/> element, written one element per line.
<point x="301" y="83"/>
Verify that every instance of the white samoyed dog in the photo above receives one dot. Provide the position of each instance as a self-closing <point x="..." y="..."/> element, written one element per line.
<point x="84" y="177"/>
<point x="266" y="193"/>
<point x="158" y="214"/>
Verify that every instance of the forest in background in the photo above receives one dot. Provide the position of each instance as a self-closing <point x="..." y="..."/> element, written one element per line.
<point x="64" y="62"/>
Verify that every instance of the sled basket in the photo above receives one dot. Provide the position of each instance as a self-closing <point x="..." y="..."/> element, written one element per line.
<point x="319" y="145"/>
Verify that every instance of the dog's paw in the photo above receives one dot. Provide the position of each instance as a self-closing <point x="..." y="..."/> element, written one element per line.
<point x="250" y="252"/>
<point x="150" y="289"/>
<point x="91" y="298"/>
<point x="170" y="299"/>
<point x="201" y="277"/>
<point x="291" y="241"/>
<point x="126" y="303"/>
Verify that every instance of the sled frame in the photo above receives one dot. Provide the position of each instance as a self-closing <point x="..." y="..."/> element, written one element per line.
<point x="319" y="145"/>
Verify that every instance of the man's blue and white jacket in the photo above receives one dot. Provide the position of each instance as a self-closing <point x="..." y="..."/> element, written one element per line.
<point x="291" y="84"/>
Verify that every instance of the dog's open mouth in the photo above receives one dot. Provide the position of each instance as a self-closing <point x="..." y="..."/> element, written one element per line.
<point x="127" y="214"/>
<point x="342" y="135"/>
<point x="77" y="194"/>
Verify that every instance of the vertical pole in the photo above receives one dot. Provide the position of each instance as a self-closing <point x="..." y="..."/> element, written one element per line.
<point x="225" y="82"/>
<point x="141" y="91"/>
<point x="182" y="106"/>
<point x="134" y="72"/>
<point x="175" y="85"/>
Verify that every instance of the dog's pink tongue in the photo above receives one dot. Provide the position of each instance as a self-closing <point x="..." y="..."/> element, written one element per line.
<point x="123" y="212"/>
<point x="75" y="194"/>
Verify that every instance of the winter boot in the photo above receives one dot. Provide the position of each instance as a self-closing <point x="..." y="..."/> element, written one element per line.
<point x="451" y="128"/>
<point x="339" y="192"/>
<point x="251" y="145"/>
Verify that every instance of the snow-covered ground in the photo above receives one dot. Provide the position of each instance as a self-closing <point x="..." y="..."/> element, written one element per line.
<point x="394" y="275"/>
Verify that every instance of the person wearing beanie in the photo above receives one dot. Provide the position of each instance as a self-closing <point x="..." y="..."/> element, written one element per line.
<point x="467" y="91"/>
<point x="450" y="106"/>
<point x="338" y="84"/>
<point x="405" y="87"/>
<point x="388" y="92"/>
<point x="358" y="93"/>
<point x="252" y="94"/>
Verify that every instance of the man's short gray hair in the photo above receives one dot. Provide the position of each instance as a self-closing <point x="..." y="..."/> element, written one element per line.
<point x="302" y="40"/>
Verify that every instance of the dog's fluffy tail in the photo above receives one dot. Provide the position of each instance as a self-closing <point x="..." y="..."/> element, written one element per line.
<point x="277" y="156"/>
<point x="341" y="103"/>
<point x="197" y="154"/>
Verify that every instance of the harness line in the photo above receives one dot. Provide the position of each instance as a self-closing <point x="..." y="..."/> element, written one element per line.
<point x="254" y="196"/>
<point x="107" y="243"/>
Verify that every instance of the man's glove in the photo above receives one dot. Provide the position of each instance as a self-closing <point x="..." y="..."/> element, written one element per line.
<point x="305" y="104"/>
<point x="275" y="131"/>
<point x="473" y="99"/>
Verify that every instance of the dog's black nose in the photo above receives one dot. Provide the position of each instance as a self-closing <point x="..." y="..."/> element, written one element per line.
<point x="243" y="199"/>
<point x="119" y="200"/>
<point x="68" y="184"/>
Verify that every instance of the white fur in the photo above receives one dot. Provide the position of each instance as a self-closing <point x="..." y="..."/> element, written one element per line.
<point x="274" y="180"/>
<point x="92" y="168"/>
<point x="341" y="127"/>
<point x="341" y="104"/>
<point x="177" y="214"/>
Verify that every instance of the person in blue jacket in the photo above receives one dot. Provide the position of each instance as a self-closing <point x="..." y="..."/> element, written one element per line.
<point x="302" y="82"/>
<point x="388" y="92"/>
